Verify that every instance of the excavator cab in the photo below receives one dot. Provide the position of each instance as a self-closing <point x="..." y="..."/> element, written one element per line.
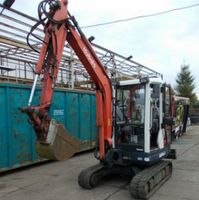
<point x="141" y="131"/>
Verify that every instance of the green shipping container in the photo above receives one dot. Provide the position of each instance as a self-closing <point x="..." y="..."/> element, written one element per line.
<point x="74" y="108"/>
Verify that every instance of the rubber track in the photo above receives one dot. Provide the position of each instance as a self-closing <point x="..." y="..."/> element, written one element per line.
<point x="139" y="181"/>
<point x="85" y="176"/>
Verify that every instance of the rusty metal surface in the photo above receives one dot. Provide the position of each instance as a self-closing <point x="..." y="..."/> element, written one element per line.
<point x="17" y="139"/>
<point x="62" y="146"/>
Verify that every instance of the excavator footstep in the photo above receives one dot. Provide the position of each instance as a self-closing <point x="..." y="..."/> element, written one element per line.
<point x="59" y="145"/>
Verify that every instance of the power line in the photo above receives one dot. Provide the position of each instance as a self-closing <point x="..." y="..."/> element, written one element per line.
<point x="141" y="16"/>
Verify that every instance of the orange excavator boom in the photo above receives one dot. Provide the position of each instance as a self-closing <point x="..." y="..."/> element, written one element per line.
<point x="60" y="27"/>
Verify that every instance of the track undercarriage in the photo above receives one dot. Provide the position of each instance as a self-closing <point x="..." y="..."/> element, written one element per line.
<point x="143" y="184"/>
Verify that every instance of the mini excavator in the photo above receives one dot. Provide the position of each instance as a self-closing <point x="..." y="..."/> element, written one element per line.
<point x="133" y="116"/>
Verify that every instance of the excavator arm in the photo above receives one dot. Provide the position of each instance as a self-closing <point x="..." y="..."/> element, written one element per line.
<point x="59" y="27"/>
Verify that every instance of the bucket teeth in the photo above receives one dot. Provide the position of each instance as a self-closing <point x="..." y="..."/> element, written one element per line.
<point x="59" y="145"/>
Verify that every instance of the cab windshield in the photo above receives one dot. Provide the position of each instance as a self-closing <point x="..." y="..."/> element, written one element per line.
<point x="130" y="114"/>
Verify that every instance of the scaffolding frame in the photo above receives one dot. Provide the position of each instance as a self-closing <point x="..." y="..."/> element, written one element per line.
<point x="17" y="59"/>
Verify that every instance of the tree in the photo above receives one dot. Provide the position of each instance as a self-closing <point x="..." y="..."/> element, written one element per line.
<point x="185" y="84"/>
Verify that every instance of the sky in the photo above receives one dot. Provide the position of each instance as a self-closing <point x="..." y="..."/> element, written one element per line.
<point x="162" y="43"/>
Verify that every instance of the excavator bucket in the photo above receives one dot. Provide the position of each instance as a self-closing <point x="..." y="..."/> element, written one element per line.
<point x="59" y="145"/>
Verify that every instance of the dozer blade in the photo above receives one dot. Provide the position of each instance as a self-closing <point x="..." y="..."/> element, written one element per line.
<point x="59" y="145"/>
